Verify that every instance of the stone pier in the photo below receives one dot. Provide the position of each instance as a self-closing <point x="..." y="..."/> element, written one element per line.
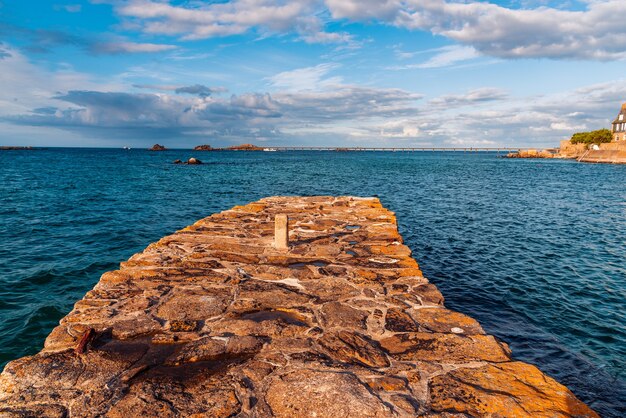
<point x="216" y="321"/>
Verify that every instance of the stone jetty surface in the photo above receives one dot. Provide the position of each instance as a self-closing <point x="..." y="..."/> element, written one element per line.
<point x="215" y="321"/>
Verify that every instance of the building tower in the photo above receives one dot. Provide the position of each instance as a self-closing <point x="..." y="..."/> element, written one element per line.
<point x="619" y="125"/>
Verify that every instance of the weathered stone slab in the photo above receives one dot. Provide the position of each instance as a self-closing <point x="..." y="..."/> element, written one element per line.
<point x="478" y="392"/>
<point x="445" y="348"/>
<point x="218" y="320"/>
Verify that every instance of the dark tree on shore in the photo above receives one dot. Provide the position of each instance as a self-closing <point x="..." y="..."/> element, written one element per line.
<point x="594" y="137"/>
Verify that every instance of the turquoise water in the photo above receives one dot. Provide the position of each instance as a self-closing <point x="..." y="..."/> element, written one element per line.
<point x="533" y="249"/>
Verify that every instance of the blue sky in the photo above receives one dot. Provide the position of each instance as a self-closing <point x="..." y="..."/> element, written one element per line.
<point x="306" y="72"/>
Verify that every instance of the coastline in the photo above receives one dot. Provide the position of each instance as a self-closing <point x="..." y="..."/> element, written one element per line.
<point x="607" y="153"/>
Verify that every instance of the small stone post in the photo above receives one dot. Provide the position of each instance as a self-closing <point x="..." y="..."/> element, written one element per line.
<point x="281" y="232"/>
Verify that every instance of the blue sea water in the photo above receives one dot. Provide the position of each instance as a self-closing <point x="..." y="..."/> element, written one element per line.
<point x="533" y="249"/>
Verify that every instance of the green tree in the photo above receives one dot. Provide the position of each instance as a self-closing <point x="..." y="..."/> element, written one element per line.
<point x="594" y="137"/>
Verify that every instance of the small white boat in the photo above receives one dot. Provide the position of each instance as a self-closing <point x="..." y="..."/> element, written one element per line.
<point x="126" y="147"/>
<point x="269" y="149"/>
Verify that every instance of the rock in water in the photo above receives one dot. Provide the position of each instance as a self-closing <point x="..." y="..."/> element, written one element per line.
<point x="215" y="321"/>
<point x="158" y="147"/>
<point x="203" y="148"/>
<point x="194" y="161"/>
<point x="178" y="162"/>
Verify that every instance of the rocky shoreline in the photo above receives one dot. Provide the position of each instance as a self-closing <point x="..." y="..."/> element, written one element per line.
<point x="220" y="319"/>
<point x="532" y="153"/>
<point x="610" y="153"/>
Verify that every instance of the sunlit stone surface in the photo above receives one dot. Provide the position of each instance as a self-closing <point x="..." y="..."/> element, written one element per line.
<point x="216" y="321"/>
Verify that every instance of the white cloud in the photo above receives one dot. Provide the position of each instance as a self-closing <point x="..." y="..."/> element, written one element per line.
<point x="96" y="110"/>
<point x="472" y="97"/>
<point x="400" y="129"/>
<point x="26" y="86"/>
<point x="116" y="109"/>
<point x="489" y="117"/>
<point x="343" y="113"/>
<point x="541" y="120"/>
<point x="347" y="103"/>
<point x="244" y="116"/>
<point x="200" y="21"/>
<point x="364" y="9"/>
<point x="43" y="40"/>
<point x="199" y="90"/>
<point x="70" y="8"/>
<point x="535" y="31"/>
<point x="568" y="127"/>
<point x="595" y="33"/>
<point x="303" y="103"/>
<point x="308" y="78"/>
<point x="454" y="56"/>
<point x="450" y="55"/>
<point x="130" y="47"/>
<point x="311" y="30"/>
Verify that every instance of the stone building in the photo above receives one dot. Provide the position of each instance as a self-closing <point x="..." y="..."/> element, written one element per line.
<point x="619" y="125"/>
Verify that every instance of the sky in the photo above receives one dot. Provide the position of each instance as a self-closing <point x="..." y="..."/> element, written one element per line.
<point x="113" y="73"/>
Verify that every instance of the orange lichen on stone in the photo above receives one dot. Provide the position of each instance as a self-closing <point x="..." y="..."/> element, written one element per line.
<point x="445" y="320"/>
<point x="445" y="348"/>
<point x="478" y="392"/>
<point x="387" y="383"/>
<point x="215" y="321"/>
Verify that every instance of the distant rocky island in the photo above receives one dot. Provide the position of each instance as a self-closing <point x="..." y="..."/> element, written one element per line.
<point x="10" y="148"/>
<point x="242" y="147"/>
<point x="245" y="147"/>
<point x="205" y="147"/>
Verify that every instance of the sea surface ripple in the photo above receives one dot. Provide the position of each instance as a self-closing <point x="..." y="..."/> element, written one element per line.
<point x="533" y="249"/>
